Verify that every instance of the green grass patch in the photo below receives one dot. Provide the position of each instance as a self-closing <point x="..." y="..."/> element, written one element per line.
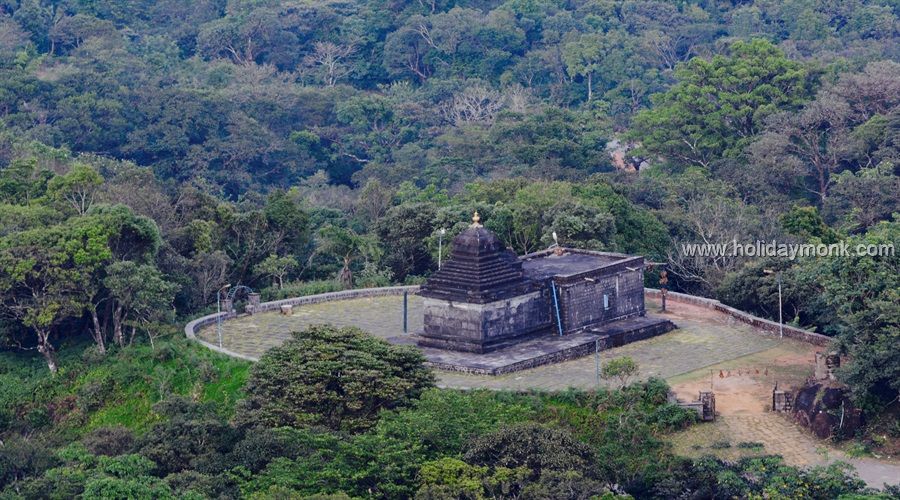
<point x="117" y="389"/>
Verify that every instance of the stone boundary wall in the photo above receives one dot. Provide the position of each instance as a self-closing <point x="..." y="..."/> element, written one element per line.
<point x="744" y="317"/>
<point x="190" y="330"/>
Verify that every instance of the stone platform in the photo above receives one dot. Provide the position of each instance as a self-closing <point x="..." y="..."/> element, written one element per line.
<point x="543" y="350"/>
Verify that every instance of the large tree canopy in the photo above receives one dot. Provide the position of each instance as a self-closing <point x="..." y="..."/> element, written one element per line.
<point x="718" y="105"/>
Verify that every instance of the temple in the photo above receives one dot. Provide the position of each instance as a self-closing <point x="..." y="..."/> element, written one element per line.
<point x="485" y="298"/>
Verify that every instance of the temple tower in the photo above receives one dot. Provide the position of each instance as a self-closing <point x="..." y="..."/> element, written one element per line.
<point x="480" y="299"/>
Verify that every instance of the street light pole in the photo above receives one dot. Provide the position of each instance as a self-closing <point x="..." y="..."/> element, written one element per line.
<point x="780" y="313"/>
<point x="441" y="234"/>
<point x="780" y="319"/>
<point x="219" y="312"/>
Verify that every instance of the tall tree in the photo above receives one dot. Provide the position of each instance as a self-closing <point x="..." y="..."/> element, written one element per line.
<point x="719" y="105"/>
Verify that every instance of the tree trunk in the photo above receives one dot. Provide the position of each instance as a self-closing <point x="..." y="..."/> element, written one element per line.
<point x="97" y="332"/>
<point x="590" y="86"/>
<point x="118" y="336"/>
<point x="346" y="277"/>
<point x="46" y="349"/>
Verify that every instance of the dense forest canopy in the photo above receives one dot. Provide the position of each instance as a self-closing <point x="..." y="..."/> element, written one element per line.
<point x="154" y="152"/>
<point x="269" y="143"/>
<point x="280" y="144"/>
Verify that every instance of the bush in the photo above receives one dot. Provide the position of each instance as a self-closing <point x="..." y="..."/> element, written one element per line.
<point x="93" y="393"/>
<point x="621" y="369"/>
<point x="39" y="418"/>
<point x="109" y="441"/>
<point x="92" y="355"/>
<point x="534" y="447"/>
<point x="261" y="446"/>
<point x="21" y="457"/>
<point x="336" y="378"/>
<point x="190" y="436"/>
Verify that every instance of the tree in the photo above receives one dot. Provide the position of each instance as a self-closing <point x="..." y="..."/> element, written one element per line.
<point x="209" y="271"/>
<point x="583" y="57"/>
<point x="121" y="236"/>
<point x="39" y="282"/>
<point x="77" y="187"/>
<point x="331" y="58"/>
<point x="862" y="295"/>
<point x="863" y="198"/>
<point x="72" y="31"/>
<point x="476" y="103"/>
<point x="812" y="141"/>
<point x="622" y="369"/>
<point x="347" y="246"/>
<point x="718" y="106"/>
<point x="139" y="293"/>
<point x="403" y="232"/>
<point x="539" y="449"/>
<point x="339" y="378"/>
<point x="277" y="267"/>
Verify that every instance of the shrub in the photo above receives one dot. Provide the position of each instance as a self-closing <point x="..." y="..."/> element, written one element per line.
<point x="261" y="446"/>
<point x="621" y="369"/>
<point x="336" y="378"/>
<point x="92" y="355"/>
<point x="109" y="441"/>
<point x="191" y="436"/>
<point x="93" y="393"/>
<point x="535" y="447"/>
<point x="301" y="289"/>
<point x="21" y="457"/>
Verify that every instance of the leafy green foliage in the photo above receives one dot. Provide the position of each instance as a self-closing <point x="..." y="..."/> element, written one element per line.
<point x="338" y="378"/>
<point x="862" y="292"/>
<point x="622" y="369"/>
<point x="717" y="106"/>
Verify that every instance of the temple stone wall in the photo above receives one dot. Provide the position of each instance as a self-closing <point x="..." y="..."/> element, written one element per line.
<point x="582" y="304"/>
<point x="483" y="327"/>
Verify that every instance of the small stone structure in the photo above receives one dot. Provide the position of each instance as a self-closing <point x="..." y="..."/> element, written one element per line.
<point x="782" y="401"/>
<point x="704" y="405"/>
<point x="485" y="298"/>
<point x="253" y="300"/>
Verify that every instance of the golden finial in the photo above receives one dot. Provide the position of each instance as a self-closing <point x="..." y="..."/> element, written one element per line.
<point x="476" y="219"/>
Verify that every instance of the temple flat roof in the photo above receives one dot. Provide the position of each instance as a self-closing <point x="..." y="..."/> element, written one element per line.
<point x="546" y="264"/>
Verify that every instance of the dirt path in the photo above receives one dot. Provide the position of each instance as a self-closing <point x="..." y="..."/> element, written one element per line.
<point x="743" y="390"/>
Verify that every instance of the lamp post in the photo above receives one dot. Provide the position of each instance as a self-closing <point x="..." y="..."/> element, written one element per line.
<point x="219" y="310"/>
<point x="780" y="318"/>
<point x="441" y="234"/>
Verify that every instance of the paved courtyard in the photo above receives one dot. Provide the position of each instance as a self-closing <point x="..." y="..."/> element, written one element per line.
<point x="253" y="335"/>
<point x="704" y="338"/>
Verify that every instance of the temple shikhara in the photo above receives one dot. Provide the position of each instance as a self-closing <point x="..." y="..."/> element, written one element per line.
<point x="559" y="303"/>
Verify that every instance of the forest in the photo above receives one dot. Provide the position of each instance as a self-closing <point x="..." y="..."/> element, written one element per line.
<point x="152" y="152"/>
